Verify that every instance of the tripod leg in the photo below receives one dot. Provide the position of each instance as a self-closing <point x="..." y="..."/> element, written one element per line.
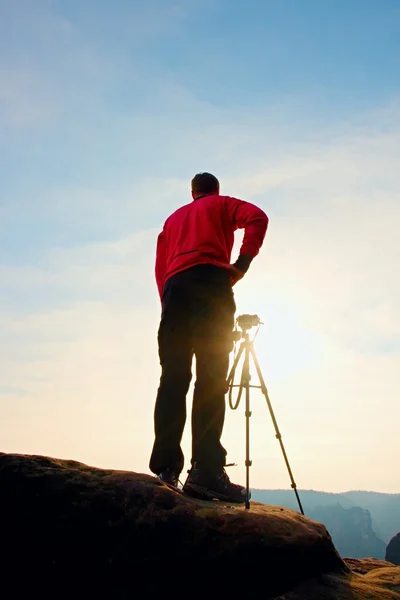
<point x="231" y="377"/>
<point x="278" y="434"/>
<point x="246" y="384"/>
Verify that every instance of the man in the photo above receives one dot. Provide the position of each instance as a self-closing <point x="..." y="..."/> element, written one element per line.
<point x="195" y="276"/>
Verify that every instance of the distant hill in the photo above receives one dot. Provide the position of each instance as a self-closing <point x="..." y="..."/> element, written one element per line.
<point x="361" y="523"/>
<point x="351" y="530"/>
<point x="384" y="509"/>
<point x="309" y="498"/>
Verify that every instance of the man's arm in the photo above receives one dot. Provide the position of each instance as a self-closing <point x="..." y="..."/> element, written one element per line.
<point x="254" y="221"/>
<point x="160" y="263"/>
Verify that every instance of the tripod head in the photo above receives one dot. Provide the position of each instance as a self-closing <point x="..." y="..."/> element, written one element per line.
<point x="245" y="322"/>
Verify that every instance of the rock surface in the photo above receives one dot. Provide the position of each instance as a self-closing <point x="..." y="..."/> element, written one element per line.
<point x="116" y="534"/>
<point x="393" y="550"/>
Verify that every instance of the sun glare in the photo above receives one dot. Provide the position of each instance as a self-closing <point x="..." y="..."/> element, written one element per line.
<point x="283" y="344"/>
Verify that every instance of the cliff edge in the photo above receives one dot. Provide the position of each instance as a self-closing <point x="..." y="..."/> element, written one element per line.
<point x="85" y="529"/>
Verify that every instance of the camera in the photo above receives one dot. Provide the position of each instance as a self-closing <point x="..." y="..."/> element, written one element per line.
<point x="246" y="322"/>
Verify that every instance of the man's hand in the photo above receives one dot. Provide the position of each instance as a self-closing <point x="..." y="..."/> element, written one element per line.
<point x="239" y="268"/>
<point x="236" y="275"/>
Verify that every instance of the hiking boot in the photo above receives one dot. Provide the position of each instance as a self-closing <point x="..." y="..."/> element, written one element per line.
<point x="169" y="477"/>
<point x="207" y="486"/>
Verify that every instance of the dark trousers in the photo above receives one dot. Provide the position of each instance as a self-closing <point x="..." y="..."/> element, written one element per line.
<point x="198" y="309"/>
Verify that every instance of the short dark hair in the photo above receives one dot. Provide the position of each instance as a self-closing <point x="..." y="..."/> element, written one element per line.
<point x="205" y="183"/>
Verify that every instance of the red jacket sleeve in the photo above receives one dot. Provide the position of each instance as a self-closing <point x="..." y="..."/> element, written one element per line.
<point x="160" y="263"/>
<point x="254" y="221"/>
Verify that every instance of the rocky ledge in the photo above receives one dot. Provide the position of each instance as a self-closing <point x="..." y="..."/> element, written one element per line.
<point x="68" y="529"/>
<point x="393" y="550"/>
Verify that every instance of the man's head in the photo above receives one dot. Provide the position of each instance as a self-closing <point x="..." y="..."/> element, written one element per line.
<point x="204" y="184"/>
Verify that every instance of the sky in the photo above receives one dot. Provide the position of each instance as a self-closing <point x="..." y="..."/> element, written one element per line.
<point x="107" y="110"/>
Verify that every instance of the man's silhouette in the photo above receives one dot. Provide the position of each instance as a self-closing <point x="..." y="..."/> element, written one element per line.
<point x="195" y="277"/>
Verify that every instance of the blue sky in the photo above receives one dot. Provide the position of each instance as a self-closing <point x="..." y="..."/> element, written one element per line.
<point x="105" y="114"/>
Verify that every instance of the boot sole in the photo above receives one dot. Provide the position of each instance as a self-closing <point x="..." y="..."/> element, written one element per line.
<point x="196" y="491"/>
<point x="170" y="485"/>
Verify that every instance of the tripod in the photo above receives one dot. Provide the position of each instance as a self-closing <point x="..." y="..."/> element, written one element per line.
<point x="246" y="322"/>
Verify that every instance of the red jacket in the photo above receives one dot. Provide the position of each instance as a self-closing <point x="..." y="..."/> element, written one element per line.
<point x="203" y="232"/>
